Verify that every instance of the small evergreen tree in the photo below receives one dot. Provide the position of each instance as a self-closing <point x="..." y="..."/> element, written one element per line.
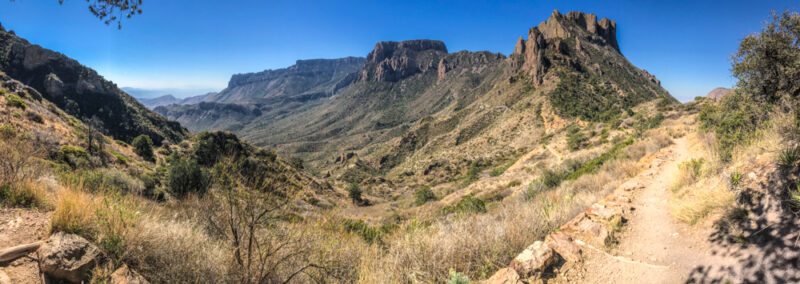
<point x="355" y="193"/>
<point x="143" y="146"/>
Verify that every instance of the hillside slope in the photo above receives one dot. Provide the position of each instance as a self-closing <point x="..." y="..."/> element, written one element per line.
<point x="414" y="107"/>
<point x="81" y="92"/>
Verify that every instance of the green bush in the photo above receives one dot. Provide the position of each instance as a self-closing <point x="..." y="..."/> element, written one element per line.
<point x="186" y="176"/>
<point x="143" y="146"/>
<point x="297" y="163"/>
<point x="368" y="233"/>
<point x="354" y="192"/>
<point x="734" y="121"/>
<point x="15" y="101"/>
<point x="467" y="205"/>
<point x="210" y="146"/>
<point x="575" y="138"/>
<point x="7" y="131"/>
<point x="423" y="195"/>
<point x="22" y="196"/>
<point x="107" y="180"/>
<point x="74" y="156"/>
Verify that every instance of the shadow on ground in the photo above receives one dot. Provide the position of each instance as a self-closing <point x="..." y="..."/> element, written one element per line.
<point x="760" y="237"/>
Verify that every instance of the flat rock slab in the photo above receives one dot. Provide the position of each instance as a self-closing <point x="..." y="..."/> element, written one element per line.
<point x="534" y="260"/>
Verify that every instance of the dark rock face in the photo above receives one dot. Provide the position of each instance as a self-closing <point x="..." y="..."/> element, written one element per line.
<point x="392" y="61"/>
<point x="81" y="92"/>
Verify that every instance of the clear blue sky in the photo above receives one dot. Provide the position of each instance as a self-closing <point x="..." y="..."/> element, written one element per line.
<point x="197" y="44"/>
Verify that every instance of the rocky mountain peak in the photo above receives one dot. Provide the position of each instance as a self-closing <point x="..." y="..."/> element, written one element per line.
<point x="584" y="28"/>
<point x="391" y="61"/>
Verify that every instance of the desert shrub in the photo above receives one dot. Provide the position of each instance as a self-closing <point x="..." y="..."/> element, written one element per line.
<point x="164" y="151"/>
<point x="297" y="163"/>
<point x="368" y="233"/>
<point x="107" y="180"/>
<point x="15" y="101"/>
<point x="735" y="122"/>
<point x="7" y="131"/>
<point x="788" y="156"/>
<point x="552" y="178"/>
<point x="354" y="192"/>
<point x="575" y="138"/>
<point x="143" y="146"/>
<point x="513" y="183"/>
<point x="35" y="117"/>
<point x="74" y="156"/>
<point x="23" y="195"/>
<point x="121" y="159"/>
<point x="423" y="195"/>
<point x="468" y="204"/>
<point x="186" y="176"/>
<point x="211" y="146"/>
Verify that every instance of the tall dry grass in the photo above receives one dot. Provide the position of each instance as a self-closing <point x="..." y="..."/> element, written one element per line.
<point x="478" y="245"/>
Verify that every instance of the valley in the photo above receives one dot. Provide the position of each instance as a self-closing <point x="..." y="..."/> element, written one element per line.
<point x="561" y="162"/>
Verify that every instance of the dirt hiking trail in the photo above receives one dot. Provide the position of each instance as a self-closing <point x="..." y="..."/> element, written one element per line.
<point x="653" y="247"/>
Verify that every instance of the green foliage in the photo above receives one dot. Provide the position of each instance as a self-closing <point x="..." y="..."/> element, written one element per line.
<point x="794" y="194"/>
<point x="368" y="233"/>
<point x="475" y="168"/>
<point x="644" y="123"/>
<point x="766" y="63"/>
<point x="7" y="131"/>
<point x="15" y="101"/>
<point x="211" y="146"/>
<point x="107" y="180"/>
<point x="585" y="97"/>
<point x="423" y="195"/>
<point x="734" y="121"/>
<point x="575" y="138"/>
<point x="74" y="156"/>
<point x="457" y="278"/>
<point x="788" y="157"/>
<point x="354" y="192"/>
<point x="736" y="178"/>
<point x="186" y="176"/>
<point x="21" y="195"/>
<point x="297" y="163"/>
<point x="143" y="146"/>
<point x="468" y="204"/>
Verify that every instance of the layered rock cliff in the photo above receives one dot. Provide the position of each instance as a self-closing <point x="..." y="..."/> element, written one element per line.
<point x="392" y="61"/>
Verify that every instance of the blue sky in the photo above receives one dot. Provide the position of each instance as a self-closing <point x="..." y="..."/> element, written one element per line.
<point x="199" y="44"/>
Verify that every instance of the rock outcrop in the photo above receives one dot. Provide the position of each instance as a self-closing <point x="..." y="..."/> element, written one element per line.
<point x="81" y="92"/>
<point x="392" y="61"/>
<point x="718" y="93"/>
<point x="529" y="55"/>
<point x="124" y="275"/>
<point x="68" y="257"/>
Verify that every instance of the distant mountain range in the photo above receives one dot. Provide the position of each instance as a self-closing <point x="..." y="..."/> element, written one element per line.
<point x="149" y="93"/>
<point x="164" y="100"/>
<point x="410" y="106"/>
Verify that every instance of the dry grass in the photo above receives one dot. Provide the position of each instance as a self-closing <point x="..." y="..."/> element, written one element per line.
<point x="75" y="212"/>
<point x="478" y="245"/>
<point x="705" y="197"/>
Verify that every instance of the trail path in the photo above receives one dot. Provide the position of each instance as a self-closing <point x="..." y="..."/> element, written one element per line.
<point x="653" y="247"/>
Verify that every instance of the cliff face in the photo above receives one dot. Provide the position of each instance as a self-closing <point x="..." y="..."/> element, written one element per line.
<point x="82" y="92"/>
<point x="314" y="78"/>
<point x="553" y="34"/>
<point x="392" y="61"/>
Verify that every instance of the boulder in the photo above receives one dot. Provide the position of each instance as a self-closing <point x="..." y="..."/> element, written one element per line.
<point x="588" y="230"/>
<point x="534" y="260"/>
<point x="124" y="275"/>
<point x="68" y="257"/>
<point x="564" y="246"/>
<point x="504" y="276"/>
